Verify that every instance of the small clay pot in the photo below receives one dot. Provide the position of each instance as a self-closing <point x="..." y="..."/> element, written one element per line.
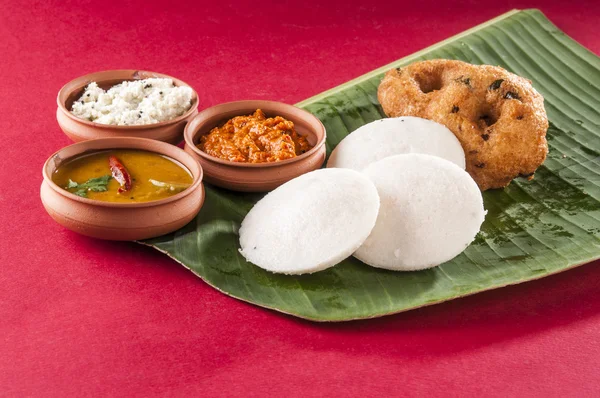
<point x="121" y="221"/>
<point x="255" y="177"/>
<point x="77" y="129"/>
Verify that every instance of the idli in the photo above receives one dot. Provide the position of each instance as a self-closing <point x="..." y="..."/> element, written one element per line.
<point x="394" y="136"/>
<point x="311" y="222"/>
<point x="430" y="211"/>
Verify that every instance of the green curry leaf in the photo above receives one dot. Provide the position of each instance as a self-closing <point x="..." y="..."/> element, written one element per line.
<point x="97" y="184"/>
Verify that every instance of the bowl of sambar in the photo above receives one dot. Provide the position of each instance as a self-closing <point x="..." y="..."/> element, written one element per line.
<point x="122" y="188"/>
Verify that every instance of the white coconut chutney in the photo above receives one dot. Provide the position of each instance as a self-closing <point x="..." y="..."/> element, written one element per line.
<point x="133" y="103"/>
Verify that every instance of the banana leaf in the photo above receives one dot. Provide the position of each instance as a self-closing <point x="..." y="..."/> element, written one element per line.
<point x="533" y="228"/>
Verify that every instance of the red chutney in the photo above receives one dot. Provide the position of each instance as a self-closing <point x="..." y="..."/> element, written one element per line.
<point x="254" y="139"/>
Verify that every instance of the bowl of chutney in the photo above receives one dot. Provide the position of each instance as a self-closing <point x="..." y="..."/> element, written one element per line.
<point x="80" y="129"/>
<point x="255" y="145"/>
<point x="122" y="188"/>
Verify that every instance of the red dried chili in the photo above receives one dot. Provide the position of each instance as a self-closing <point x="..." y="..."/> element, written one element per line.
<point x="120" y="173"/>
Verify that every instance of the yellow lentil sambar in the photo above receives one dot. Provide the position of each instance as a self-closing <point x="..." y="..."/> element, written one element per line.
<point x="151" y="176"/>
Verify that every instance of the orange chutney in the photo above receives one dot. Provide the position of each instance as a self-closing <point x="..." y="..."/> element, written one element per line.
<point x="254" y="139"/>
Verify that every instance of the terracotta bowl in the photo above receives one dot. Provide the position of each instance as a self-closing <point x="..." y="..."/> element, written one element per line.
<point x="81" y="130"/>
<point x="122" y="221"/>
<point x="255" y="177"/>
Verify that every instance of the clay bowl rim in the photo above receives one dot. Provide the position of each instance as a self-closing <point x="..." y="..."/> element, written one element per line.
<point x="189" y="135"/>
<point x="80" y="82"/>
<point x="131" y="143"/>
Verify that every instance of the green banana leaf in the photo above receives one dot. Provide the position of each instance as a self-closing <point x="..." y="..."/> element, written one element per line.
<point x="532" y="229"/>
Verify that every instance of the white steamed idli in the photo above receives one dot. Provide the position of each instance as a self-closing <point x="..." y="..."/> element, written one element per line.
<point x="430" y="212"/>
<point x="394" y="136"/>
<point x="311" y="222"/>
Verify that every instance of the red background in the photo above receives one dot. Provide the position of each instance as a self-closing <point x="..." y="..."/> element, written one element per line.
<point x="80" y="316"/>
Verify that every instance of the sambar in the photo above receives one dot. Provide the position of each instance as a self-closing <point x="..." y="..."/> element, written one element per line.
<point x="123" y="176"/>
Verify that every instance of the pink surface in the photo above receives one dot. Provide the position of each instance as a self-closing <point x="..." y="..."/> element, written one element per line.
<point x="79" y="316"/>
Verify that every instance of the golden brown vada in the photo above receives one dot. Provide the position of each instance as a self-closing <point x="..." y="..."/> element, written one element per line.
<point x="498" y="117"/>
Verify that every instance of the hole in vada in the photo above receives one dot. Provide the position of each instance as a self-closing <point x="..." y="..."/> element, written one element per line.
<point x="429" y="83"/>
<point x="486" y="120"/>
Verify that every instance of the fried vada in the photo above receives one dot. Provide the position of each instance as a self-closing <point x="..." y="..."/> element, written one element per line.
<point x="498" y="117"/>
